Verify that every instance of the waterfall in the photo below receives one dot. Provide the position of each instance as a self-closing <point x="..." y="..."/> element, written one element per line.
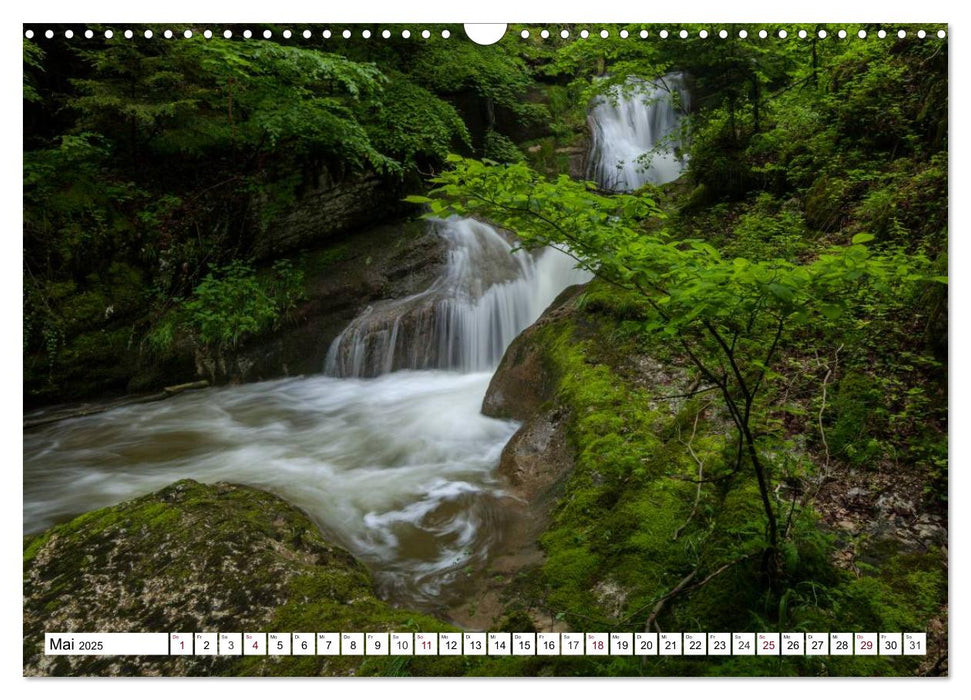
<point x="486" y="296"/>
<point x="635" y="130"/>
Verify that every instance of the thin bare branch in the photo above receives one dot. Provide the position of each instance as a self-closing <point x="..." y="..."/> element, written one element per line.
<point x="701" y="472"/>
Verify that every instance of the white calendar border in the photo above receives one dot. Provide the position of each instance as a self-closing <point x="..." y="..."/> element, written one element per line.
<point x="496" y="10"/>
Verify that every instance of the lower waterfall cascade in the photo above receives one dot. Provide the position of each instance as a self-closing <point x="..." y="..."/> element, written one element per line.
<point x="487" y="296"/>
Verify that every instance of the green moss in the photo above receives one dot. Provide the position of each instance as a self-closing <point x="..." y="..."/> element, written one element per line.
<point x="611" y="550"/>
<point x="33" y="544"/>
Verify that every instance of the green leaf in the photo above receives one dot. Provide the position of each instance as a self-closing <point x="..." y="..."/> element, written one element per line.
<point x="862" y="238"/>
<point x="782" y="292"/>
<point x="831" y="311"/>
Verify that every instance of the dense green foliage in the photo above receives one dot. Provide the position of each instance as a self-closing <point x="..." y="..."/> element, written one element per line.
<point x="731" y="317"/>
<point x="148" y="163"/>
<point x="230" y="304"/>
<point x="787" y="273"/>
<point x="633" y="522"/>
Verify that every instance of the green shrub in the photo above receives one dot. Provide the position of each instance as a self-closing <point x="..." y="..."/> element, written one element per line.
<point x="767" y="232"/>
<point x="500" y="148"/>
<point x="824" y="204"/>
<point x="232" y="303"/>
<point x="229" y="304"/>
<point x="856" y="404"/>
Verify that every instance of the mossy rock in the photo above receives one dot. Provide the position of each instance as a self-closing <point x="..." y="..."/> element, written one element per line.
<point x="524" y="381"/>
<point x="198" y="558"/>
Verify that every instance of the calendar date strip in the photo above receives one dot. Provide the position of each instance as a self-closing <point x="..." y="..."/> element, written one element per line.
<point x="486" y="644"/>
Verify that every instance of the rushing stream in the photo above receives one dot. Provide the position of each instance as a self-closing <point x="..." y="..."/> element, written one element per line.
<point x="387" y="450"/>
<point x="398" y="467"/>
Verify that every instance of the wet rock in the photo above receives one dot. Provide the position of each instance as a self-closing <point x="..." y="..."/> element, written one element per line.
<point x="523" y="383"/>
<point x="536" y="457"/>
<point x="929" y="529"/>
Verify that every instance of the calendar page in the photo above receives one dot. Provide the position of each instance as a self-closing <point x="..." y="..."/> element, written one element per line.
<point x="531" y="350"/>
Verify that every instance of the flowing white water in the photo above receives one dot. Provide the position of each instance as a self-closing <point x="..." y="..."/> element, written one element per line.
<point x="634" y="133"/>
<point x="398" y="468"/>
<point x="486" y="297"/>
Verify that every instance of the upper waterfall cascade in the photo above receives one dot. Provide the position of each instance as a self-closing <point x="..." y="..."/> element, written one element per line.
<point x="635" y="132"/>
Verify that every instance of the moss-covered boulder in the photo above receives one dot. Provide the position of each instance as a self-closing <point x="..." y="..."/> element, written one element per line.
<point x="523" y="382"/>
<point x="198" y="558"/>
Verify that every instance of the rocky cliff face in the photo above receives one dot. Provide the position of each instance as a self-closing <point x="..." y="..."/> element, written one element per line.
<point x="198" y="558"/>
<point x="328" y="207"/>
